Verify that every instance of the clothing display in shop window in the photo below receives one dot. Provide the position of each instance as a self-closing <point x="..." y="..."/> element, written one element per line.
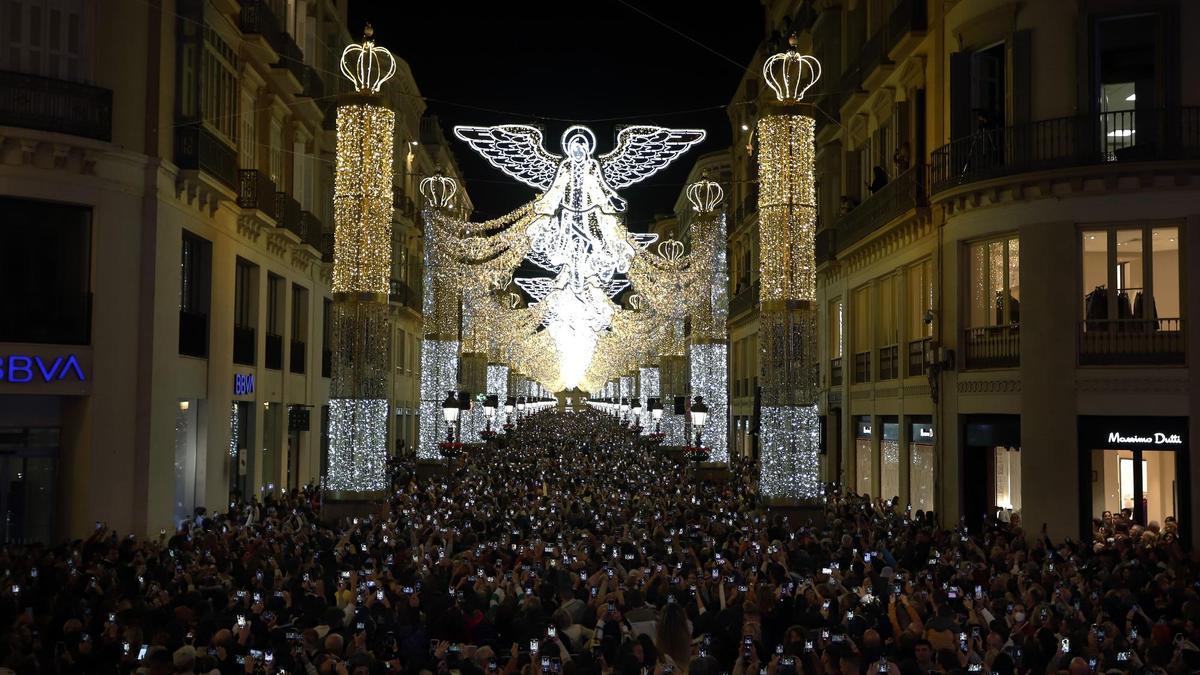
<point x="1095" y="304"/>
<point x="1151" y="311"/>
<point x="1014" y="309"/>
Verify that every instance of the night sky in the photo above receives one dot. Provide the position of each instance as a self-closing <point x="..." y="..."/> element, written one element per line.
<point x="565" y="62"/>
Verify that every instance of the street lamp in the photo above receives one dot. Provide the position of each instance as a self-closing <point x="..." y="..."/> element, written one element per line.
<point x="624" y="408"/>
<point x="510" y="404"/>
<point x="489" y="409"/>
<point x="450" y="413"/>
<point x="656" y="411"/>
<point x="699" y="417"/>
<point x="520" y="407"/>
<point x="636" y="409"/>
<point x="464" y="406"/>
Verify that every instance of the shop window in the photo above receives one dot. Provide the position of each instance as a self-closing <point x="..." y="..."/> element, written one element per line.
<point x="1008" y="479"/>
<point x="887" y="333"/>
<point x="993" y="295"/>
<point x="889" y="461"/>
<point x="1132" y="295"/>
<point x="920" y="473"/>
<point x="863" y="455"/>
<point x="298" y="354"/>
<point x="919" y="314"/>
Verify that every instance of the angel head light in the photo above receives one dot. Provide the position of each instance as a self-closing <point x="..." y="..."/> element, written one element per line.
<point x="790" y="74"/>
<point x="705" y="195"/>
<point x="578" y="142"/>
<point x="366" y="65"/>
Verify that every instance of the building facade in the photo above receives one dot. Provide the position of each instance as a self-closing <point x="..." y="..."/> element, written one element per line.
<point x="166" y="253"/>
<point x="1008" y="216"/>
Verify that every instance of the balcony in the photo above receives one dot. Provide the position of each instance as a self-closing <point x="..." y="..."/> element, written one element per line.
<point x="744" y="301"/>
<point x="874" y="57"/>
<point x="836" y="375"/>
<point x="917" y="351"/>
<point x="287" y="212"/>
<point x="327" y="246"/>
<point x="257" y="19"/>
<point x="907" y="21"/>
<point x="992" y="347"/>
<point x="1132" y="342"/>
<point x="274" y="353"/>
<point x="198" y="149"/>
<point x="401" y="294"/>
<point x="57" y="319"/>
<point x="862" y="367"/>
<point x="193" y="334"/>
<point x="326" y="363"/>
<point x="244" y="347"/>
<point x="289" y="70"/>
<point x="903" y="194"/>
<point x="889" y="362"/>
<point x="311" y="84"/>
<point x="310" y="229"/>
<point x="48" y="104"/>
<point x="256" y="191"/>
<point x="826" y="245"/>
<point x="1125" y="136"/>
<point x="296" y="357"/>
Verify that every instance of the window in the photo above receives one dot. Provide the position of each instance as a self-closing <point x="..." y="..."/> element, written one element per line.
<point x="1008" y="478"/>
<point x="837" y="326"/>
<point x="863" y="455"/>
<point x="889" y="461"/>
<point x="247" y="133"/>
<point x="1132" y="295"/>
<point x="299" y="329"/>
<point x="276" y="152"/>
<point x="194" y="289"/>
<point x="326" y="337"/>
<point x="42" y="37"/>
<point x="994" y="282"/>
<point x="245" y="309"/>
<point x="860" y="333"/>
<point x="1128" y="67"/>
<point x="274" y="343"/>
<point x="887" y="335"/>
<point x="919" y="301"/>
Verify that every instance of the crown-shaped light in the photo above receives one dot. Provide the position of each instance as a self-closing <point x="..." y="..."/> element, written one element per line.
<point x="366" y="65"/>
<point x="789" y="74"/>
<point x="671" y="249"/>
<point x="439" y="190"/>
<point x="704" y="194"/>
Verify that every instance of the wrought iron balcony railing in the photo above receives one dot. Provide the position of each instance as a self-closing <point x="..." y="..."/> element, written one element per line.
<point x="48" y="104"/>
<point x="992" y="346"/>
<point x="1141" y="342"/>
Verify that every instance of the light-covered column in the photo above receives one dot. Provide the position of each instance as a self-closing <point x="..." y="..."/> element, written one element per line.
<point x="708" y="351"/>
<point x="439" y="350"/>
<point x="362" y="202"/>
<point x="789" y="423"/>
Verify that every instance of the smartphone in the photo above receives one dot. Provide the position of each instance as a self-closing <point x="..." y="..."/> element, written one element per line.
<point x="1123" y="656"/>
<point x="978" y="592"/>
<point x="241" y="621"/>
<point x="142" y="652"/>
<point x="975" y="668"/>
<point x="1066" y="645"/>
<point x="883" y="665"/>
<point x="533" y="646"/>
<point x="551" y="632"/>
<point x="379" y="594"/>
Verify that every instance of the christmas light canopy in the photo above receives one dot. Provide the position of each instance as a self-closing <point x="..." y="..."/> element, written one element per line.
<point x="367" y="65"/>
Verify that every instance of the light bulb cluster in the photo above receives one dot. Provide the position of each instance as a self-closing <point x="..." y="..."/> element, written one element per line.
<point x="709" y="364"/>
<point x="439" y="374"/>
<point x="787" y="213"/>
<point x="357" y="427"/>
<point x="362" y="199"/>
<point x="648" y="384"/>
<point x="789" y="444"/>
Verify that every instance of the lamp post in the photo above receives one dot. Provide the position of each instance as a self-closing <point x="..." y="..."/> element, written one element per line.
<point x="510" y="404"/>
<point x="450" y="413"/>
<point x="656" y="412"/>
<point x="635" y="410"/>
<point x="699" y="417"/>
<point x="624" y="409"/>
<point x="520" y="407"/>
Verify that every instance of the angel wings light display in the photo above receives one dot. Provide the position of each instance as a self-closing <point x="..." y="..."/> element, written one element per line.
<point x="576" y="231"/>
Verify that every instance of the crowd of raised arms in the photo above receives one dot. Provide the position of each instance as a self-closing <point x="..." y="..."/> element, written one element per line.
<point x="575" y="550"/>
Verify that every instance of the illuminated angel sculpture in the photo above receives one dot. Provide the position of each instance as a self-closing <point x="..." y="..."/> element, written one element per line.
<point x="577" y="234"/>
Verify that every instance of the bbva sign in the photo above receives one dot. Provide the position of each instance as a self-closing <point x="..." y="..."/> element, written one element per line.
<point x="22" y="368"/>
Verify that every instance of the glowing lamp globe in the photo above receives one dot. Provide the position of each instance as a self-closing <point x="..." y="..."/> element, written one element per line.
<point x="790" y="74"/>
<point x="450" y="407"/>
<point x="705" y="195"/>
<point x="699" y="412"/>
<point x="367" y="65"/>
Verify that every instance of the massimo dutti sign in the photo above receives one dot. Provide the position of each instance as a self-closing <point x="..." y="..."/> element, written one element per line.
<point x="1100" y="432"/>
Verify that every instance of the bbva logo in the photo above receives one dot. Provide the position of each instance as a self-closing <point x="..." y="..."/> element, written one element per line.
<point x="19" y="368"/>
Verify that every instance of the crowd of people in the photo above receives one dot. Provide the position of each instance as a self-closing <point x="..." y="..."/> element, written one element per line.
<point x="572" y="548"/>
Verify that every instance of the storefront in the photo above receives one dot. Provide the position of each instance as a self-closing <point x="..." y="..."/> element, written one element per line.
<point x="1133" y="468"/>
<point x="920" y="459"/>
<point x="990" y="482"/>
<point x="863" y="454"/>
